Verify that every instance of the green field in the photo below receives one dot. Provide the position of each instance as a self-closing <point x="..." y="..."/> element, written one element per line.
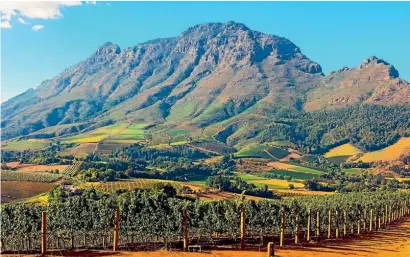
<point x="140" y="183"/>
<point x="309" y="158"/>
<point x="133" y="132"/>
<point x="248" y="177"/>
<point x="338" y="159"/>
<point x="295" y="174"/>
<point x="21" y="145"/>
<point x="355" y="171"/>
<point x="97" y="135"/>
<point x="262" y="151"/>
<point x="7" y="175"/>
<point x="307" y="170"/>
<point x="178" y="132"/>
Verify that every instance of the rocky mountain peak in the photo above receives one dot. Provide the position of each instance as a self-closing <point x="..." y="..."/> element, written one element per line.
<point x="108" y="49"/>
<point x="374" y="61"/>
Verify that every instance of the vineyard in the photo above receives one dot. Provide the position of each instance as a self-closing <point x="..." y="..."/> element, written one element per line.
<point x="7" y="175"/>
<point x="147" y="221"/>
<point x="73" y="169"/>
<point x="141" y="183"/>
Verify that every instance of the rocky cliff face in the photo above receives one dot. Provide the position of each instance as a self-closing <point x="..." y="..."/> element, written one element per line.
<point x="375" y="81"/>
<point x="210" y="73"/>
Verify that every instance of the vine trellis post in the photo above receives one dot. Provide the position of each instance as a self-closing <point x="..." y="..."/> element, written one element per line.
<point x="242" y="228"/>
<point x="329" y="225"/>
<point x="116" y="230"/>
<point x="43" y="233"/>
<point x="344" y="222"/>
<point x="186" y="243"/>
<point x="309" y="224"/>
<point x="318" y="224"/>
<point x="282" y="228"/>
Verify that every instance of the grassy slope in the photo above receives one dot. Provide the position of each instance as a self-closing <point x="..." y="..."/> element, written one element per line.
<point x="343" y="150"/>
<point x="389" y="153"/>
<point x="21" y="145"/>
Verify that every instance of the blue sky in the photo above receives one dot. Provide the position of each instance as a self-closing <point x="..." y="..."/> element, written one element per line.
<point x="334" y="34"/>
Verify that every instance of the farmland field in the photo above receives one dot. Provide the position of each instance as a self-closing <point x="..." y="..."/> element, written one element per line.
<point x="22" y="189"/>
<point x="21" y="145"/>
<point x="389" y="153"/>
<point x="107" y="148"/>
<point x="343" y="150"/>
<point x="140" y="183"/>
<point x="271" y="183"/>
<point x="356" y="171"/>
<point x="131" y="134"/>
<point x="295" y="174"/>
<point x="262" y="151"/>
<point x="97" y="135"/>
<point x="7" y="175"/>
<point x="338" y="159"/>
<point x="81" y="150"/>
<point x="276" y="183"/>
<point x="23" y="167"/>
<point x="291" y="167"/>
<point x="178" y="132"/>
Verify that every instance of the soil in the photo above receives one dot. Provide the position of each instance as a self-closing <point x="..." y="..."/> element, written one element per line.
<point x="394" y="242"/>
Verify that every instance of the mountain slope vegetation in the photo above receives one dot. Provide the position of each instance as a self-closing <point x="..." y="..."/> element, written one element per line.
<point x="243" y="85"/>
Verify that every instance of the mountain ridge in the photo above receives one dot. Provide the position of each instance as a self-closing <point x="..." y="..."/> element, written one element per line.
<point x="208" y="74"/>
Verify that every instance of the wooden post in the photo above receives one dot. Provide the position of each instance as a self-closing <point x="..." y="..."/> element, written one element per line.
<point x="43" y="233"/>
<point x="389" y="221"/>
<point x="318" y="224"/>
<point x="297" y="228"/>
<point x="344" y="223"/>
<point x="337" y="223"/>
<point x="116" y="230"/>
<point x="271" y="249"/>
<point x="358" y="225"/>
<point x="186" y="230"/>
<point x="379" y="221"/>
<point x="364" y="220"/>
<point x="371" y="220"/>
<point x="308" y="225"/>
<point x="282" y="228"/>
<point x="242" y="228"/>
<point x="329" y="225"/>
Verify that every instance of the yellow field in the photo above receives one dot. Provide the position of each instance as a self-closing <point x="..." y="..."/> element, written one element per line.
<point x="97" y="135"/>
<point x="281" y="165"/>
<point x="343" y="150"/>
<point x="278" y="183"/>
<point x="389" y="153"/>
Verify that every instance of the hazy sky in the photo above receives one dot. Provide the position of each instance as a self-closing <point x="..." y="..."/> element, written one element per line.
<point x="39" y="40"/>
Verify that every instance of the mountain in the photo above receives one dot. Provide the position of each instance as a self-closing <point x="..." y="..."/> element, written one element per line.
<point x="213" y="76"/>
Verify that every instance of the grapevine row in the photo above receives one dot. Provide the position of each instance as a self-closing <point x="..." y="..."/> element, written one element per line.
<point x="148" y="218"/>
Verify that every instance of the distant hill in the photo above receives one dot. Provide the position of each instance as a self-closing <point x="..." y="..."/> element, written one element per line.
<point x="226" y="80"/>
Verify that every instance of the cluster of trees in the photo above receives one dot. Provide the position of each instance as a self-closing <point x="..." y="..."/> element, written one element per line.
<point x="343" y="182"/>
<point x="145" y="214"/>
<point x="237" y="185"/>
<point x="42" y="157"/>
<point x="138" y="151"/>
<point x="369" y="127"/>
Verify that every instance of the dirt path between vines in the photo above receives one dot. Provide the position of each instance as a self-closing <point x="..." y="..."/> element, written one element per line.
<point x="394" y="242"/>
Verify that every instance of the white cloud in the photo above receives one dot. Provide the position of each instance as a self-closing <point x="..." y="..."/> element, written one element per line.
<point x="35" y="10"/>
<point x="37" y="27"/>
<point x="5" y="25"/>
<point x="91" y="2"/>
<point x="22" y="21"/>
